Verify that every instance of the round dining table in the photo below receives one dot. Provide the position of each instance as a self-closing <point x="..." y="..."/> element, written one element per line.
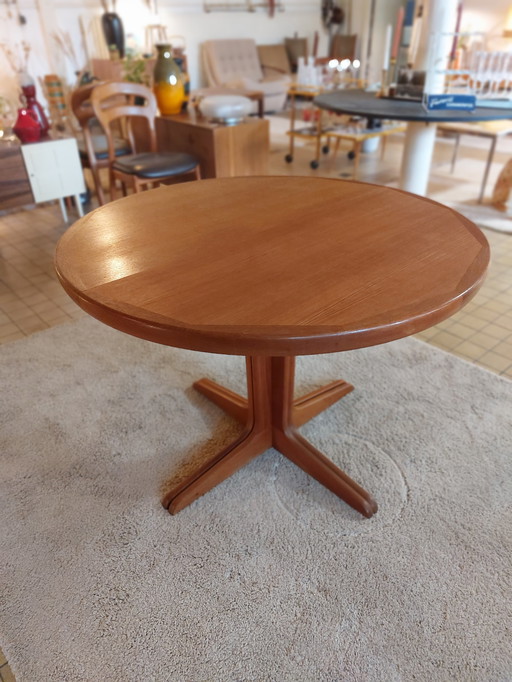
<point x="272" y="268"/>
<point x="421" y="126"/>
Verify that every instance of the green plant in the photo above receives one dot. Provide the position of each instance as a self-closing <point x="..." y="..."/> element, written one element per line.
<point x="134" y="70"/>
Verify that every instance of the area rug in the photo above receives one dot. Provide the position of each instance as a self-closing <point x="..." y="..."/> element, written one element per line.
<point x="269" y="576"/>
<point x="485" y="215"/>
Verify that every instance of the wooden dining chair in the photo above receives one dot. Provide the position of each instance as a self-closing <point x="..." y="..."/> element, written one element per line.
<point x="93" y="147"/>
<point x="133" y="106"/>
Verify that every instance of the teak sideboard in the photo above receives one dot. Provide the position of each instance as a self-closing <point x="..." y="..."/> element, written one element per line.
<point x="224" y="151"/>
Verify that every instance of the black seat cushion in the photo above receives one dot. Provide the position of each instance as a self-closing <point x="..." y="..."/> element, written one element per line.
<point x="99" y="143"/>
<point x="156" y="165"/>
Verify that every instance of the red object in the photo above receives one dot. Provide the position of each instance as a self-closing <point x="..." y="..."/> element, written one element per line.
<point x="27" y="127"/>
<point x="29" y="95"/>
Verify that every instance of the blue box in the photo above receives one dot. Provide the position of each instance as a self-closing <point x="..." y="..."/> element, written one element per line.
<point x="460" y="102"/>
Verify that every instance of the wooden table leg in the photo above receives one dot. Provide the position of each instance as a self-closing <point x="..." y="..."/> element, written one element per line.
<point x="293" y="114"/>
<point x="487" y="169"/>
<point x="271" y="416"/>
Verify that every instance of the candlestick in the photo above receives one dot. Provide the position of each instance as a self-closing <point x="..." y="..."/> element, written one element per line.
<point x="387" y="47"/>
<point x="384" y="83"/>
<point x="398" y="33"/>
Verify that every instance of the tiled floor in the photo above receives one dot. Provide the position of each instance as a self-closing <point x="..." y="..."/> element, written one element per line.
<point x="31" y="299"/>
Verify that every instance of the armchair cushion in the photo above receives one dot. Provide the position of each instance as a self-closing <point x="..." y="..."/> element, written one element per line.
<point x="271" y="85"/>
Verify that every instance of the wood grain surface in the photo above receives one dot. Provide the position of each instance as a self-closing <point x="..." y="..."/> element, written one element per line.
<point x="272" y="266"/>
<point x="224" y="151"/>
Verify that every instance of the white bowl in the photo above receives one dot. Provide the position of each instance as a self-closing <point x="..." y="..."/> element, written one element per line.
<point x="228" y="109"/>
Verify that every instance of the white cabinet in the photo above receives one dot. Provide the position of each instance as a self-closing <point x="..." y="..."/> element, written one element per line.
<point x="54" y="171"/>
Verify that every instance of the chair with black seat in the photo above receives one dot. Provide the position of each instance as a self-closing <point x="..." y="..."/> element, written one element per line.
<point x="93" y="147"/>
<point x="136" y="115"/>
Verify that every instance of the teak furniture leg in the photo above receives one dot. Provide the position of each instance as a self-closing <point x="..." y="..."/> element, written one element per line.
<point x="271" y="415"/>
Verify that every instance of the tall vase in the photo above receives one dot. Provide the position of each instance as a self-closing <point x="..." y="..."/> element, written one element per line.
<point x="28" y="98"/>
<point x="113" y="31"/>
<point x="168" y="82"/>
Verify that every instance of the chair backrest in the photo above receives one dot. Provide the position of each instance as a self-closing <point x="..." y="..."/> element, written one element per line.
<point x="343" y="47"/>
<point x="296" y="47"/>
<point x="274" y="57"/>
<point x="227" y="60"/>
<point x="126" y="104"/>
<point x="81" y="107"/>
<point x="81" y="104"/>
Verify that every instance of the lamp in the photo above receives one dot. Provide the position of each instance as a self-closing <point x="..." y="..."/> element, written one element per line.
<point x="507" y="29"/>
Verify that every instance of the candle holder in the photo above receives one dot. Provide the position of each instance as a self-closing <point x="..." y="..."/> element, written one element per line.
<point x="383" y="83"/>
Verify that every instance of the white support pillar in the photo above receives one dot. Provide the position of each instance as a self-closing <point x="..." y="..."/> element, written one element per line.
<point x="420" y="137"/>
<point x="417" y="157"/>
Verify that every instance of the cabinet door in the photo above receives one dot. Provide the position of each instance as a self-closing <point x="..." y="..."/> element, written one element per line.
<point x="54" y="169"/>
<point x="14" y="182"/>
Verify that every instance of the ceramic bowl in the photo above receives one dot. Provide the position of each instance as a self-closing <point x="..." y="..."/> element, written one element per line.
<point x="228" y="109"/>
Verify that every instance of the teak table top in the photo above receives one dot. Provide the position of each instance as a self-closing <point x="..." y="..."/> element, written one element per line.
<point x="272" y="265"/>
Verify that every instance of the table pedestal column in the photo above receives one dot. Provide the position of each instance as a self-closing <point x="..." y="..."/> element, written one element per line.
<point x="417" y="157"/>
<point x="271" y="416"/>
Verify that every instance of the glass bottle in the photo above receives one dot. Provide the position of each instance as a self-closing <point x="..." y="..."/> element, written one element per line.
<point x="168" y="82"/>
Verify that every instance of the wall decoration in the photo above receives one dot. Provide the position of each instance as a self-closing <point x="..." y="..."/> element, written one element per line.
<point x="248" y="6"/>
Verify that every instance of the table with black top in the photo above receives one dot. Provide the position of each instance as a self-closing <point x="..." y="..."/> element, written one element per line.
<point x="421" y="126"/>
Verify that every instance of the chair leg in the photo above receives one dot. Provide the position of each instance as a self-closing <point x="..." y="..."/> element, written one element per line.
<point x="357" y="152"/>
<point x="198" y="172"/>
<point x="383" y="147"/>
<point x="113" y="192"/>
<point x="336" y="149"/>
<point x="95" y="172"/>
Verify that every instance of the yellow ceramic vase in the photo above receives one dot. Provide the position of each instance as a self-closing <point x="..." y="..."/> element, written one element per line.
<point x="168" y="82"/>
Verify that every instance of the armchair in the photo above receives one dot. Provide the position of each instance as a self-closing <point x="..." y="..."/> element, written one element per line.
<point x="235" y="64"/>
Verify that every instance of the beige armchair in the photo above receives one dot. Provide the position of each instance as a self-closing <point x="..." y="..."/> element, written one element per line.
<point x="235" y="64"/>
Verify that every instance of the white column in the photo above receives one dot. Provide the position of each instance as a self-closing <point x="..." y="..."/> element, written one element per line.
<point x="417" y="157"/>
<point x="420" y="137"/>
<point x="439" y="16"/>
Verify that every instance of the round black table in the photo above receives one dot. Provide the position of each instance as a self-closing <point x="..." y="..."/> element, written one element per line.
<point x="420" y="138"/>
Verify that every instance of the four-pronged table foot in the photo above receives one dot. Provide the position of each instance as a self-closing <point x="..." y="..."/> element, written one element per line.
<point x="271" y="417"/>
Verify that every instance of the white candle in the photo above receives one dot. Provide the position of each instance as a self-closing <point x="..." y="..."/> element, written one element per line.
<point x="387" y="47"/>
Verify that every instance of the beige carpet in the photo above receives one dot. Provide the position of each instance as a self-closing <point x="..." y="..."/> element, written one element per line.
<point x="269" y="577"/>
<point x="485" y="215"/>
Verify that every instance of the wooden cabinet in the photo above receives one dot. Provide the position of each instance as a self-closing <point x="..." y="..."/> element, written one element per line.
<point x="14" y="181"/>
<point x="223" y="151"/>
<point x="41" y="171"/>
<point x="54" y="171"/>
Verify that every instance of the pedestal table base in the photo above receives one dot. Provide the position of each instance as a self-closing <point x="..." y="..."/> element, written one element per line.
<point x="271" y="417"/>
